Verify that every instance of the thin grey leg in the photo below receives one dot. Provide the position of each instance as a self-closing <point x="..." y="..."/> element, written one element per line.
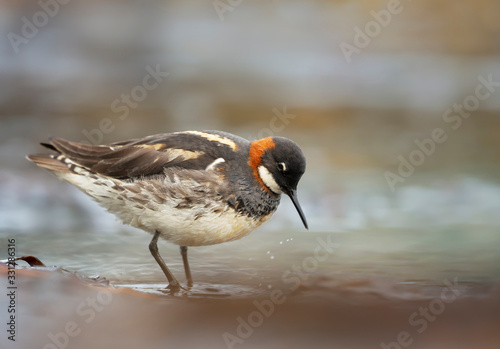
<point x="184" y="255"/>
<point x="153" y="247"/>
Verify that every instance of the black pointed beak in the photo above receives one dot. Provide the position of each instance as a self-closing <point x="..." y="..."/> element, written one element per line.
<point x="293" y="195"/>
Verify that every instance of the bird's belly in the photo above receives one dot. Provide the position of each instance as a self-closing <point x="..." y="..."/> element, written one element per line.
<point x="192" y="226"/>
<point x="204" y="221"/>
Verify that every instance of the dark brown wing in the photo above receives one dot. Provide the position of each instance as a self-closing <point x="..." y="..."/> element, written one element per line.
<point x="147" y="156"/>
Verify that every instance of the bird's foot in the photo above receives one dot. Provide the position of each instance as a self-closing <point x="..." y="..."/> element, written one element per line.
<point x="174" y="288"/>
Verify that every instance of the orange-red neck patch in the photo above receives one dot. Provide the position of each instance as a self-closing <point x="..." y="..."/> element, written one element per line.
<point x="257" y="150"/>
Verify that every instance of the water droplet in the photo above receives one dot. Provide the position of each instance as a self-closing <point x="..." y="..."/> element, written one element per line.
<point x="272" y="257"/>
<point x="268" y="252"/>
<point x="269" y="286"/>
<point x="281" y="242"/>
<point x="291" y="239"/>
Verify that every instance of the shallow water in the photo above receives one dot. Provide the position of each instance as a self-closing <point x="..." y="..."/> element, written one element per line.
<point x="281" y="259"/>
<point x="360" y="306"/>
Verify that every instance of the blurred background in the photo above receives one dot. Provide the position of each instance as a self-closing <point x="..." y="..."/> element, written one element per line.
<point x="357" y="84"/>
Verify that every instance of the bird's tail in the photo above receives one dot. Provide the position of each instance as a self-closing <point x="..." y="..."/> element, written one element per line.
<point x="54" y="163"/>
<point x="58" y="163"/>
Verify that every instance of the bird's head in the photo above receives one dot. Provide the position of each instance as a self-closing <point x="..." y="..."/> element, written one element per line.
<point x="278" y="164"/>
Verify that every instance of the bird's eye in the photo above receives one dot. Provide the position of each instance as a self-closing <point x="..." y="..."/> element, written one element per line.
<point x="281" y="167"/>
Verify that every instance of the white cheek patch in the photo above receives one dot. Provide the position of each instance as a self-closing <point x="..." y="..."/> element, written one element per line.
<point x="269" y="180"/>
